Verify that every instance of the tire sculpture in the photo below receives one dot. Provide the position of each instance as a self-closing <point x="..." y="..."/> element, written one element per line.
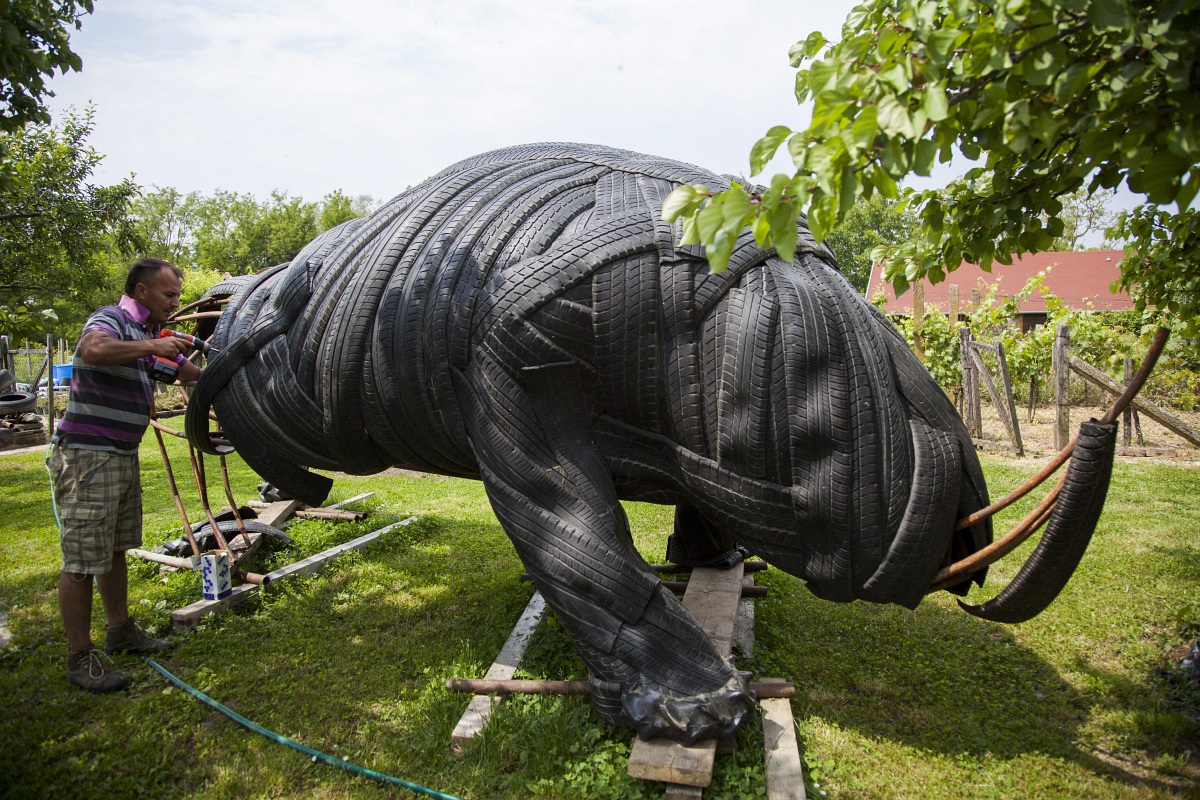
<point x="527" y="318"/>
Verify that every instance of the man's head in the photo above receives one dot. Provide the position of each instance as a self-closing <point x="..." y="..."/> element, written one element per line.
<point x="156" y="284"/>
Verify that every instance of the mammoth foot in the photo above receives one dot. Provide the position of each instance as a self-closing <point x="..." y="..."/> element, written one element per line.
<point x="711" y="715"/>
<point x="665" y="679"/>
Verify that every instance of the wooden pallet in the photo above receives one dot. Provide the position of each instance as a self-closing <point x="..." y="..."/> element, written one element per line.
<point x="714" y="597"/>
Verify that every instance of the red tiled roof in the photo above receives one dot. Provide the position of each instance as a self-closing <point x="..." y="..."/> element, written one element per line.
<point x="1075" y="278"/>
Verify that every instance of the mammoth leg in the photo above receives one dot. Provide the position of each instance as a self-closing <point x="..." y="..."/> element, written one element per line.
<point x="697" y="542"/>
<point x="650" y="664"/>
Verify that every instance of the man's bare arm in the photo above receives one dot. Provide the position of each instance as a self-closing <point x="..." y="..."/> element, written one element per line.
<point x="101" y="349"/>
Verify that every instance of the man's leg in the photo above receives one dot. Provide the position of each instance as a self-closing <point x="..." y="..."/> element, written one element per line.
<point x="114" y="590"/>
<point x="75" y="602"/>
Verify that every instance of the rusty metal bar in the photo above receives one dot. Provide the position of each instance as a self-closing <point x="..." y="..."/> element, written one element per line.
<point x="187" y="526"/>
<point x="763" y="689"/>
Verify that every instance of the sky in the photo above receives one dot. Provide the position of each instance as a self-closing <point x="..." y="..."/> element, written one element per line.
<point x="373" y="96"/>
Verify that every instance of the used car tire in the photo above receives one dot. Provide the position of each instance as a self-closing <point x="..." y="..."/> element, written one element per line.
<point x="14" y="402"/>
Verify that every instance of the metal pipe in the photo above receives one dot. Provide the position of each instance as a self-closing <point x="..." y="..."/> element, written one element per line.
<point x="763" y="689"/>
<point x="160" y="558"/>
<point x="187" y="526"/>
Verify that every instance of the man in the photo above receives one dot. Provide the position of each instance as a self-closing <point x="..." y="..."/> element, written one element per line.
<point x="93" y="464"/>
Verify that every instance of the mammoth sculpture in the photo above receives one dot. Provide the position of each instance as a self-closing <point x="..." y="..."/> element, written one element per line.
<point x="527" y="318"/>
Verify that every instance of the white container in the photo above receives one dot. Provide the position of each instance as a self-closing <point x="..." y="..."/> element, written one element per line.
<point x="215" y="581"/>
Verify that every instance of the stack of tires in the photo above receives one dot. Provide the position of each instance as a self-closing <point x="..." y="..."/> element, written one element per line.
<point x="17" y="408"/>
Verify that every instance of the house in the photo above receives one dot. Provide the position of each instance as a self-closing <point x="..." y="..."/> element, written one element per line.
<point x="1076" y="278"/>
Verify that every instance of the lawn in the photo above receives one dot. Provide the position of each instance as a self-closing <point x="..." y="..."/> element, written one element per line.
<point x="1085" y="701"/>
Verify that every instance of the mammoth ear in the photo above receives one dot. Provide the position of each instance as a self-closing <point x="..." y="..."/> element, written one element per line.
<point x="1067" y="533"/>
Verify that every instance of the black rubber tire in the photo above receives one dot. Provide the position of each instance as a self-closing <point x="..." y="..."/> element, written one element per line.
<point x="17" y="403"/>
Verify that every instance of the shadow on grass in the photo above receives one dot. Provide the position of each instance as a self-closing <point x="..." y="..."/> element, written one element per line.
<point x="939" y="680"/>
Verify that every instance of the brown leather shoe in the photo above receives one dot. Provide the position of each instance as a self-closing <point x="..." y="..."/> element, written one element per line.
<point x="127" y="637"/>
<point x="87" y="670"/>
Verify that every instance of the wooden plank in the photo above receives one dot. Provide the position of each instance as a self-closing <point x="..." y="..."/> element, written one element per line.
<point x="997" y="400"/>
<point x="743" y="630"/>
<point x="479" y="710"/>
<point x="1006" y="381"/>
<point x="276" y="513"/>
<point x="186" y="618"/>
<point x="316" y="563"/>
<point x="1163" y="417"/>
<point x="785" y="772"/>
<point x="712" y="598"/>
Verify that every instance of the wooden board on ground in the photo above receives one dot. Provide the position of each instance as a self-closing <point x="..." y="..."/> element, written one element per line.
<point x="785" y="774"/>
<point x="276" y="513"/>
<point x="712" y="598"/>
<point x="479" y="710"/>
<point x="743" y="630"/>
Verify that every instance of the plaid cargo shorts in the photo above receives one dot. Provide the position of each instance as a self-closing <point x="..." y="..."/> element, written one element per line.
<point x="98" y="503"/>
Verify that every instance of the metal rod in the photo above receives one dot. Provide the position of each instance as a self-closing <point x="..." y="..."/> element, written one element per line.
<point x="202" y="490"/>
<point x="987" y="556"/>
<point x="763" y="689"/>
<point x="187" y="526"/>
<point x="159" y="558"/>
<point x="233" y="509"/>
<point x="198" y="315"/>
<point x="747" y="591"/>
<point x="674" y="569"/>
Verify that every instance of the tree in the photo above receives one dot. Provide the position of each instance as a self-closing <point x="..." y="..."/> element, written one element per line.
<point x="34" y="41"/>
<point x="57" y="228"/>
<point x="1054" y="95"/>
<point x="1083" y="213"/>
<point x="337" y="207"/>
<point x="868" y="225"/>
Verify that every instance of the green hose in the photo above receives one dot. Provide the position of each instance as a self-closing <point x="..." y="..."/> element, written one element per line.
<point x="316" y="754"/>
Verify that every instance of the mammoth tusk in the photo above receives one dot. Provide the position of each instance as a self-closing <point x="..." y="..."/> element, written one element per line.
<point x="1076" y="511"/>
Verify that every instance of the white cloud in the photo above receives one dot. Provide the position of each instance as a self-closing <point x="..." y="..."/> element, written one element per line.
<point x="373" y="96"/>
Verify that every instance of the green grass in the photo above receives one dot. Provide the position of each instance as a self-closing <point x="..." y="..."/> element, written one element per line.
<point x="1085" y="701"/>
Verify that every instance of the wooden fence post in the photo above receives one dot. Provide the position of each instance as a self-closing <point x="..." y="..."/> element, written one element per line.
<point x="918" y="320"/>
<point x="1015" y="427"/>
<point x="49" y="386"/>
<point x="953" y="307"/>
<point x="1127" y="415"/>
<point x="971" y="413"/>
<point x="1061" y="360"/>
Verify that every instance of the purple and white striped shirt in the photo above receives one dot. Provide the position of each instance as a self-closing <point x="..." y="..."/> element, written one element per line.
<point x="109" y="407"/>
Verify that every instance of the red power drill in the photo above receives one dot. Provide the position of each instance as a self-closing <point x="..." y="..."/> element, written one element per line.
<point x="164" y="369"/>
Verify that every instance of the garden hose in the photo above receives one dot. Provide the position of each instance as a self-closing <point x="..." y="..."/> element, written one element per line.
<point x="315" y="754"/>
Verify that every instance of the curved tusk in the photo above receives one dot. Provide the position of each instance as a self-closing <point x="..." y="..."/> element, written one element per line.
<point x="1068" y="533"/>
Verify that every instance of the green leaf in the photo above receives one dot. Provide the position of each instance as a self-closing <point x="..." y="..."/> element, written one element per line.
<point x="893" y="117"/>
<point x="681" y="200"/>
<point x="866" y="127"/>
<point x="935" y="103"/>
<point x="764" y="149"/>
<point x="942" y="42"/>
<point x="1108" y="14"/>
<point x="926" y="152"/>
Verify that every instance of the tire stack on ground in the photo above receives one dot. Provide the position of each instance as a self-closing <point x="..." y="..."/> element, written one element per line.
<point x="20" y="426"/>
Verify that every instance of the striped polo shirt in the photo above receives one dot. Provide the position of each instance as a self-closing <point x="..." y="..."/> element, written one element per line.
<point x="109" y="407"/>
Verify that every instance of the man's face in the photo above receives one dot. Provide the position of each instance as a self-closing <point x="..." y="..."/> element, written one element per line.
<point x="160" y="296"/>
